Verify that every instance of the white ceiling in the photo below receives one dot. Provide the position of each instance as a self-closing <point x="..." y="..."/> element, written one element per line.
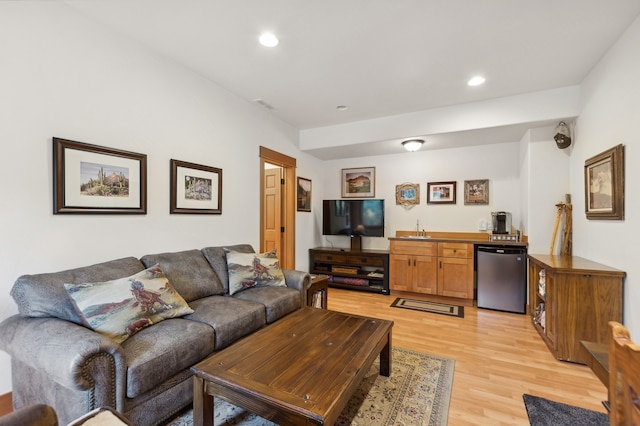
<point x="378" y="57"/>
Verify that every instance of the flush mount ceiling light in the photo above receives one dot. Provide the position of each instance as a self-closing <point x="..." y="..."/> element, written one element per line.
<point x="476" y="81"/>
<point x="412" y="145"/>
<point x="268" y="40"/>
<point x="342" y="107"/>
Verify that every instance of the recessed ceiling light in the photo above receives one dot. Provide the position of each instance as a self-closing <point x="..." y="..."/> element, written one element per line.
<point x="476" y="81"/>
<point x="342" y="107"/>
<point x="268" y="40"/>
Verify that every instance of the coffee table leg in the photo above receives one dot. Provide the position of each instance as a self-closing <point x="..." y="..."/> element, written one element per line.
<point x="385" y="358"/>
<point x="202" y="404"/>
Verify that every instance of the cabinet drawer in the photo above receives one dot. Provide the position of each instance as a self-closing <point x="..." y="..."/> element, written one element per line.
<point x="420" y="248"/>
<point x="328" y="257"/>
<point x="360" y="260"/>
<point x="459" y="250"/>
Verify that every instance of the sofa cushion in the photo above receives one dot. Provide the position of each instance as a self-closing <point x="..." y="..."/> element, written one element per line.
<point x="189" y="273"/>
<point x="277" y="301"/>
<point x="120" y="308"/>
<point x="230" y="318"/>
<point x="44" y="295"/>
<point x="248" y="270"/>
<point x="217" y="258"/>
<point x="158" y="353"/>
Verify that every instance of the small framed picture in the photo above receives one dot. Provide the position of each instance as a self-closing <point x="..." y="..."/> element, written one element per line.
<point x="304" y="195"/>
<point x="476" y="191"/>
<point x="359" y="182"/>
<point x="195" y="189"/>
<point x="604" y="185"/>
<point x="408" y="194"/>
<point x="96" y="179"/>
<point x="441" y="193"/>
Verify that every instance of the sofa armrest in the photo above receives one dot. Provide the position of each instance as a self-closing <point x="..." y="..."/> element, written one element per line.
<point x="68" y="353"/>
<point x="300" y="281"/>
<point x="31" y="415"/>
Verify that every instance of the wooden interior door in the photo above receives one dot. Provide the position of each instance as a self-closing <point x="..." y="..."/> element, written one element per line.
<point x="272" y="204"/>
<point x="287" y="254"/>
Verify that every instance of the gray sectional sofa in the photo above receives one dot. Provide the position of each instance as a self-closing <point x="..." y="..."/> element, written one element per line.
<point x="58" y="361"/>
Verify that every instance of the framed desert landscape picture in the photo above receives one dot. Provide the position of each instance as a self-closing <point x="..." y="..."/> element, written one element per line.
<point x="96" y="179"/>
<point x="359" y="182"/>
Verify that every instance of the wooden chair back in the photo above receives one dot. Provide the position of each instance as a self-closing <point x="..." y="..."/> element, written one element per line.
<point x="624" y="377"/>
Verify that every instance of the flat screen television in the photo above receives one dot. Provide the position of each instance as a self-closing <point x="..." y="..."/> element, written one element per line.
<point x="353" y="217"/>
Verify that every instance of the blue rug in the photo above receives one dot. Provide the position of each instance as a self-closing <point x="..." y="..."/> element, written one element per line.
<point x="543" y="412"/>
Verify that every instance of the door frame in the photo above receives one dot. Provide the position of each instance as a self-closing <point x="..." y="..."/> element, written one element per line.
<point x="288" y="164"/>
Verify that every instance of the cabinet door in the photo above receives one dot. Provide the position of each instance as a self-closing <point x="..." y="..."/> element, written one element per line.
<point x="425" y="274"/>
<point x="400" y="272"/>
<point x="455" y="277"/>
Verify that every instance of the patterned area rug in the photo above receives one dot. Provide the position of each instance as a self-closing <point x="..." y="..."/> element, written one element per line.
<point x="417" y="393"/>
<point x="426" y="306"/>
<point x="543" y="412"/>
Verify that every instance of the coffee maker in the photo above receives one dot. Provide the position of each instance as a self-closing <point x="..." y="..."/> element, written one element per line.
<point x="501" y="222"/>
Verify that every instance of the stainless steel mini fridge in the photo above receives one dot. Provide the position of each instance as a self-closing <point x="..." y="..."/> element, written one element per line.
<point x="501" y="273"/>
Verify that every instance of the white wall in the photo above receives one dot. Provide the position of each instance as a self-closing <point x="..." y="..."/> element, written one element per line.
<point x="547" y="183"/>
<point x="65" y="76"/>
<point x="610" y="113"/>
<point x="497" y="162"/>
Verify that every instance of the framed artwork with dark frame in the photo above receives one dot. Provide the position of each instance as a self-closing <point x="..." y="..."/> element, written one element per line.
<point x="441" y="192"/>
<point x="304" y="195"/>
<point x="604" y="185"/>
<point x="195" y="189"/>
<point x="92" y="179"/>
<point x="408" y="195"/>
<point x="476" y="191"/>
<point x="359" y="182"/>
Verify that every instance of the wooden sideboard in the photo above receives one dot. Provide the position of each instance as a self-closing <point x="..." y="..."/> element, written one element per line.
<point x="573" y="299"/>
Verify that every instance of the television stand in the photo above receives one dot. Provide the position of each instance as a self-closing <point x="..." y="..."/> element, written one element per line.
<point x="363" y="270"/>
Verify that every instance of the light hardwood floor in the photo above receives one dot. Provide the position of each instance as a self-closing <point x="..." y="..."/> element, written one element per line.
<point x="498" y="357"/>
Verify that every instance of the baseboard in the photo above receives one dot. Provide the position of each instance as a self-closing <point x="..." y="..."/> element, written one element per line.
<point x="6" y="404"/>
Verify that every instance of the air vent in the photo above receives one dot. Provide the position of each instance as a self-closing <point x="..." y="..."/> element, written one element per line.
<point x="263" y="103"/>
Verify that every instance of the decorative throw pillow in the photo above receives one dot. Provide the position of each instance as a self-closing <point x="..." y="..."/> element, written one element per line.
<point x="122" y="307"/>
<point x="248" y="270"/>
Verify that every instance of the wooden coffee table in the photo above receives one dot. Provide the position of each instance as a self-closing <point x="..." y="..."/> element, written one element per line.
<point x="303" y="369"/>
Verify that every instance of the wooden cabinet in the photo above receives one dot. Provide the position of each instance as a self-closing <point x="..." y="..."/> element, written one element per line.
<point x="573" y="299"/>
<point x="433" y="268"/>
<point x="365" y="270"/>
<point x="455" y="270"/>
<point x="414" y="267"/>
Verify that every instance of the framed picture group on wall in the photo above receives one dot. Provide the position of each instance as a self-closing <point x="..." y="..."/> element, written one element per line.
<point x="94" y="179"/>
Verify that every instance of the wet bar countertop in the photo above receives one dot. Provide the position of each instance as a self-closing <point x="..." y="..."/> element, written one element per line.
<point x="456" y="237"/>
